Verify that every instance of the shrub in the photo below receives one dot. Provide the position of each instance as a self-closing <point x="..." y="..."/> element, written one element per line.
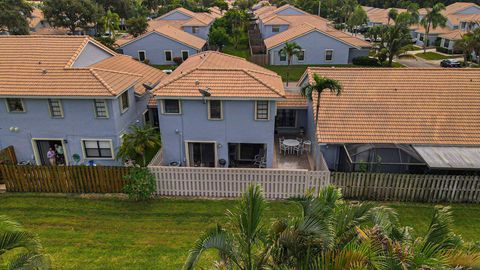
<point x="365" y="61"/>
<point x="140" y="184"/>
<point x="178" y="60"/>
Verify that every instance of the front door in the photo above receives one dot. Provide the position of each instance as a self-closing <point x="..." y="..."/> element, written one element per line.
<point x="201" y="154"/>
<point x="44" y="146"/>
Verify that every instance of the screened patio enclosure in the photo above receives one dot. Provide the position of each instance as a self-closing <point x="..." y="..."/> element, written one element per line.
<point x="398" y="158"/>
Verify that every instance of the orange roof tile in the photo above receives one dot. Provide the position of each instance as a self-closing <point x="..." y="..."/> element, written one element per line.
<point x="414" y="106"/>
<point x="42" y="66"/>
<point x="293" y="99"/>
<point x="169" y="32"/>
<point x="453" y="35"/>
<point x="380" y="15"/>
<point x="227" y="76"/>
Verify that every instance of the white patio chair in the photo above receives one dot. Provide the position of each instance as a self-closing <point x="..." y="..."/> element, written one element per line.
<point x="260" y="162"/>
<point x="307" y="145"/>
<point x="284" y="149"/>
<point x="297" y="149"/>
<point x="300" y="140"/>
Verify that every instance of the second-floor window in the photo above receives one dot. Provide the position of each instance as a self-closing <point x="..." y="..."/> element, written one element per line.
<point x="184" y="55"/>
<point x="171" y="106"/>
<point x="168" y="56"/>
<point x="194" y="29"/>
<point x="301" y="56"/>
<point x="261" y="110"/>
<point x="215" y="110"/>
<point x="275" y="29"/>
<point x="328" y="55"/>
<point x="101" y="109"/>
<point x="55" y="107"/>
<point x="142" y="56"/>
<point x="124" y="102"/>
<point x="15" y="105"/>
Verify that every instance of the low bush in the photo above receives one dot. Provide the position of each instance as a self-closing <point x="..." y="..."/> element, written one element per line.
<point x="140" y="184"/>
<point x="365" y="61"/>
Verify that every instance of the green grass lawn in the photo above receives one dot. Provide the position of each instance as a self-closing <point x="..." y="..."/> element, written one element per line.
<point x="242" y="50"/>
<point x="432" y="56"/>
<point x="116" y="234"/>
<point x="162" y="67"/>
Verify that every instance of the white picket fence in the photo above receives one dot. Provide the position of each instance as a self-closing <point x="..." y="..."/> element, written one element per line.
<point x="231" y="182"/>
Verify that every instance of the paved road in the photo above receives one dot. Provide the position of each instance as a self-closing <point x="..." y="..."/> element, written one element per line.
<point x="418" y="62"/>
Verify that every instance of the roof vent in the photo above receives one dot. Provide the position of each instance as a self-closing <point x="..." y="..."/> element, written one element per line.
<point x="44" y="71"/>
<point x="39" y="62"/>
<point x="197" y="82"/>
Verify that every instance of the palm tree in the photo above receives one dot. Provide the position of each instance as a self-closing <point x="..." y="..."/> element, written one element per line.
<point x="392" y="15"/>
<point x="413" y="10"/>
<point x="111" y="23"/>
<point x="467" y="44"/>
<point x="243" y="246"/>
<point x="289" y="50"/>
<point x="433" y="19"/>
<point x="395" y="37"/>
<point x="320" y="84"/>
<point x="138" y="141"/>
<point x="23" y="247"/>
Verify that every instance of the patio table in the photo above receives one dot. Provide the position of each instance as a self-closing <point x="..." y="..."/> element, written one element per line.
<point x="290" y="144"/>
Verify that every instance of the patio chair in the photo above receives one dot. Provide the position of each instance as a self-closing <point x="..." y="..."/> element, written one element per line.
<point x="307" y="145"/>
<point x="257" y="158"/>
<point x="297" y="149"/>
<point x="283" y="148"/>
<point x="300" y="140"/>
<point x="260" y="162"/>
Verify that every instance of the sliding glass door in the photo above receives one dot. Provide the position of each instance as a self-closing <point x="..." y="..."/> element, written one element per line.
<point x="201" y="154"/>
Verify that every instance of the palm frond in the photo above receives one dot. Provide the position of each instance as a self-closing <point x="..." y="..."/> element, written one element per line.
<point x="29" y="261"/>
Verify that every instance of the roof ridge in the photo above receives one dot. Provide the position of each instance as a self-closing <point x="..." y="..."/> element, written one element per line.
<point x="116" y="71"/>
<point x="248" y="72"/>
<point x="181" y="75"/>
<point x="98" y="77"/>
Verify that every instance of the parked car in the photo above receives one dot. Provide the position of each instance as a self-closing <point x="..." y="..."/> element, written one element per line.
<point x="449" y="63"/>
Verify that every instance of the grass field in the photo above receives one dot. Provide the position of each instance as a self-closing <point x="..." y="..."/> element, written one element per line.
<point x="111" y="233"/>
<point x="431" y="56"/>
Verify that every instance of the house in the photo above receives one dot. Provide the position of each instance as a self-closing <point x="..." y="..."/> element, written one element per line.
<point x="410" y="120"/>
<point x="218" y="110"/>
<point x="320" y="42"/>
<point x="379" y="16"/>
<point x="178" y="33"/>
<point x="467" y="23"/>
<point x="70" y="91"/>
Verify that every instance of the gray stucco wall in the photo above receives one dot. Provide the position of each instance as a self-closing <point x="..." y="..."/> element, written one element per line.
<point x="266" y="30"/>
<point x="154" y="45"/>
<point x="470" y="10"/>
<point x="315" y="44"/>
<point x="238" y="126"/>
<point x="90" y="55"/>
<point x="79" y="122"/>
<point x="290" y="11"/>
<point x="202" y="31"/>
<point x="176" y="16"/>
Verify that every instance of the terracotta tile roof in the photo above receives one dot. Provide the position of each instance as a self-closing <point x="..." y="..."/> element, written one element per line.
<point x="310" y="26"/>
<point x="42" y="66"/>
<point x="124" y="63"/>
<point x="293" y="100"/>
<point x="439" y="30"/>
<point x="453" y="35"/>
<point x="37" y="17"/>
<point x="200" y="18"/>
<point x="50" y="31"/>
<point x="227" y="76"/>
<point x="380" y="15"/>
<point x="263" y="10"/>
<point x="458" y="6"/>
<point x="170" y="32"/>
<point x="413" y="106"/>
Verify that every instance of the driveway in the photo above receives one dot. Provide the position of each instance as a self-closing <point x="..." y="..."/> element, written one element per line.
<point x="418" y="62"/>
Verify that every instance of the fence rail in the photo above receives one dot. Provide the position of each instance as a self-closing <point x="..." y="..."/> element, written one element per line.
<point x="231" y="182"/>
<point x="408" y="187"/>
<point x="63" y="179"/>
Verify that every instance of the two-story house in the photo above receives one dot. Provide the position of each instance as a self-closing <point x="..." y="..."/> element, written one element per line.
<point x="320" y="42"/>
<point x="178" y="33"/>
<point x="218" y="110"/>
<point x="69" y="91"/>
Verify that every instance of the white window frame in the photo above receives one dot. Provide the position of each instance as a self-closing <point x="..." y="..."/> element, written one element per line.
<point x="123" y="110"/>
<point x="188" y="54"/>
<point x="275" y="27"/>
<point x="165" y="55"/>
<point x="301" y="61"/>
<point x="84" y="153"/>
<point x="280" y="56"/>
<point x="221" y="111"/>
<point x="179" y="107"/>
<point x="50" y="108"/>
<point x="95" y="108"/>
<point x="195" y="29"/>
<point x="268" y="110"/>
<point x="21" y="101"/>
<point x="144" y="54"/>
<point x="187" y="151"/>
<point x="333" y="52"/>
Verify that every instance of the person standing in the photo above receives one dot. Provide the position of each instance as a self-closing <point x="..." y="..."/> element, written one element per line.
<point x="52" y="156"/>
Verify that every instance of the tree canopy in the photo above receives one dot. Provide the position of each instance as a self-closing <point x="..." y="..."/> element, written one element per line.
<point x="71" y="14"/>
<point x="14" y="16"/>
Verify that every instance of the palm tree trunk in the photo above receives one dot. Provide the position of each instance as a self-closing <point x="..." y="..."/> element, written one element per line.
<point x="318" y="108"/>
<point x="288" y="68"/>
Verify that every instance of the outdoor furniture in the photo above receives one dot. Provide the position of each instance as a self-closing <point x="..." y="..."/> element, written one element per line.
<point x="291" y="144"/>
<point x="283" y="148"/>
<point x="307" y="145"/>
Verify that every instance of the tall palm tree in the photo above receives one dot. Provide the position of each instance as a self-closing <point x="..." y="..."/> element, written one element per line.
<point x="289" y="50"/>
<point x="23" y="247"/>
<point x="413" y="10"/>
<point x="111" y="23"/>
<point x="242" y="247"/>
<point x="467" y="44"/>
<point x="138" y="141"/>
<point x="392" y="15"/>
<point x="319" y="85"/>
<point x="433" y="19"/>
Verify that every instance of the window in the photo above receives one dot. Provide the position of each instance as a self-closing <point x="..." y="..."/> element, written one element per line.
<point x="275" y="29"/>
<point x="463" y="26"/>
<point x="283" y="56"/>
<point x="142" y="56"/>
<point x="97" y="149"/>
<point x="286" y="118"/>
<point x="184" y="55"/>
<point x="328" y="55"/>
<point x="171" y="106"/>
<point x="215" y="110"/>
<point x="55" y="107"/>
<point x="301" y="56"/>
<point x="168" y="56"/>
<point x="261" y="110"/>
<point x="146" y="117"/>
<point x="15" y="105"/>
<point x="101" y="109"/>
<point x="194" y="29"/>
<point x="124" y="103"/>
<point x="420" y="37"/>
<point x="446" y="43"/>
